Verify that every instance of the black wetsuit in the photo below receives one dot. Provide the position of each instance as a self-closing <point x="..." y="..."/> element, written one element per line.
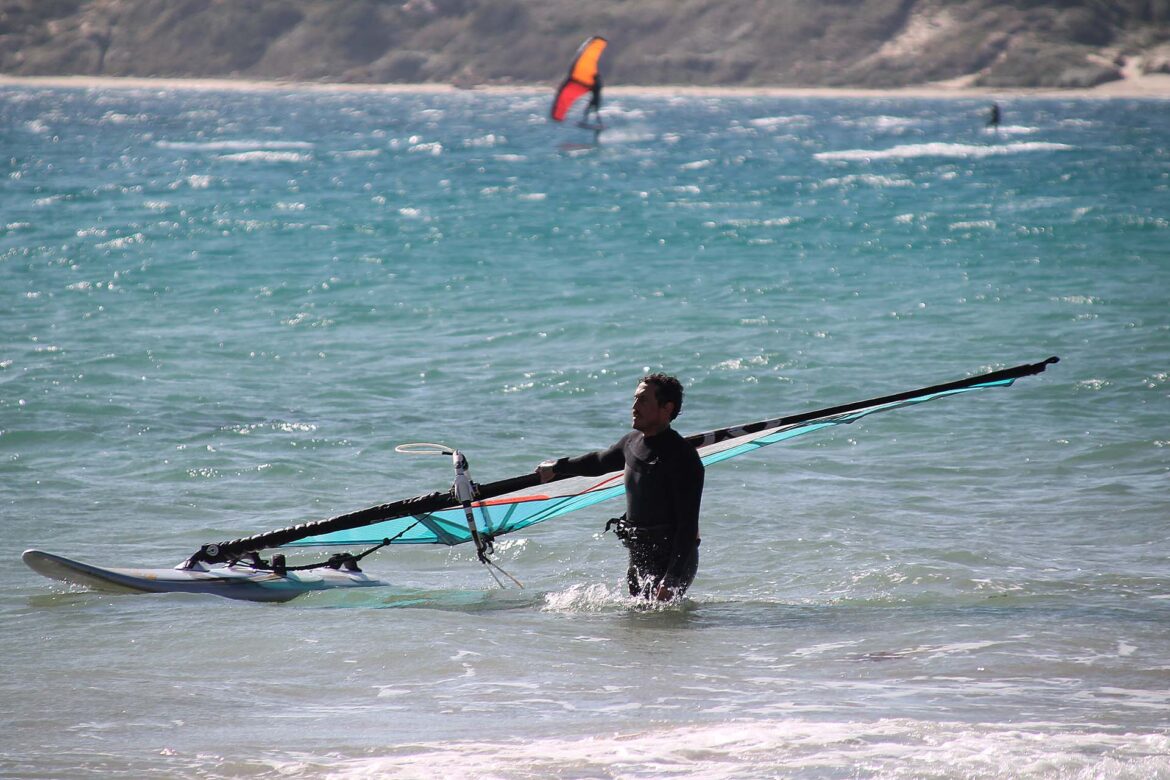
<point x="594" y="104"/>
<point x="664" y="486"/>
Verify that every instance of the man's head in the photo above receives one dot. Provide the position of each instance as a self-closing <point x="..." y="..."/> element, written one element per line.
<point x="657" y="401"/>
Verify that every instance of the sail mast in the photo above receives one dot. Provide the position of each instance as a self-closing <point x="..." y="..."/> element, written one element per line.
<point x="1003" y="377"/>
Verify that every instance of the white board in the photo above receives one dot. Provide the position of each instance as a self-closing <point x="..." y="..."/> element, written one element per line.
<point x="233" y="582"/>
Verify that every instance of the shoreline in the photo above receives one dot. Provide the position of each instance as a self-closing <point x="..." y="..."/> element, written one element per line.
<point x="1151" y="86"/>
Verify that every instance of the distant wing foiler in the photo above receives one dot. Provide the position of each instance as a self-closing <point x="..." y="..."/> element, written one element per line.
<point x="582" y="76"/>
<point x="516" y="503"/>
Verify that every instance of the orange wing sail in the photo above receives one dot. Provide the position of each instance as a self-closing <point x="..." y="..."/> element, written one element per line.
<point x="582" y="76"/>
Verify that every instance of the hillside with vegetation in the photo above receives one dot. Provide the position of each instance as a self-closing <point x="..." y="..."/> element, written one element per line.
<point x="794" y="43"/>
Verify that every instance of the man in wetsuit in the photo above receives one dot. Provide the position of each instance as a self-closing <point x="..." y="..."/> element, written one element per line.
<point x="664" y="485"/>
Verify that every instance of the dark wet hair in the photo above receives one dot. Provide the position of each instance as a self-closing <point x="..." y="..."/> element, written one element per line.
<point x="667" y="389"/>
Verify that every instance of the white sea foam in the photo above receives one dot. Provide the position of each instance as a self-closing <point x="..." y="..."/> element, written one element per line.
<point x="795" y="747"/>
<point x="265" y="155"/>
<point x="1013" y="130"/>
<point x="941" y="149"/>
<point x="882" y="122"/>
<point x="773" y="122"/>
<point x="974" y="224"/>
<point x="594" y="597"/>
<point x="239" y="145"/>
<point x="123" y="242"/>
<point x="118" y="118"/>
<point x="868" y="179"/>
<point x="356" y="154"/>
<point x="739" y="364"/>
<point x="433" y="148"/>
<point x="277" y="426"/>
<point x="198" y="181"/>
<point x="485" y="141"/>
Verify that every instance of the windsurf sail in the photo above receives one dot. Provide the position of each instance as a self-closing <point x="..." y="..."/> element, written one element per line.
<point x="513" y="504"/>
<point x="581" y="79"/>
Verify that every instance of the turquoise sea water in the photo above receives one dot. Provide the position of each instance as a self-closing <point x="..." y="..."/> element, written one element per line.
<point x="221" y="311"/>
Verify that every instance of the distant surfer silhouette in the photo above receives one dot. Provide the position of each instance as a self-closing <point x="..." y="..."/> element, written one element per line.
<point x="594" y="103"/>
<point x="993" y="117"/>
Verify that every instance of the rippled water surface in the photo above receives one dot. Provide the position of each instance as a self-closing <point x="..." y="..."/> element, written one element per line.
<point x="221" y="311"/>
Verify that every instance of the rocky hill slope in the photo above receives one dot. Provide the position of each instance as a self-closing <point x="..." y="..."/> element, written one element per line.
<point x="859" y="43"/>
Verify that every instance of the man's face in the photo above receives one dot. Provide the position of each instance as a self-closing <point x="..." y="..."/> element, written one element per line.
<point x="649" y="416"/>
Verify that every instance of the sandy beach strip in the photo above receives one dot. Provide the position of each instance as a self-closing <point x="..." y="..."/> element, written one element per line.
<point x="1148" y="86"/>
